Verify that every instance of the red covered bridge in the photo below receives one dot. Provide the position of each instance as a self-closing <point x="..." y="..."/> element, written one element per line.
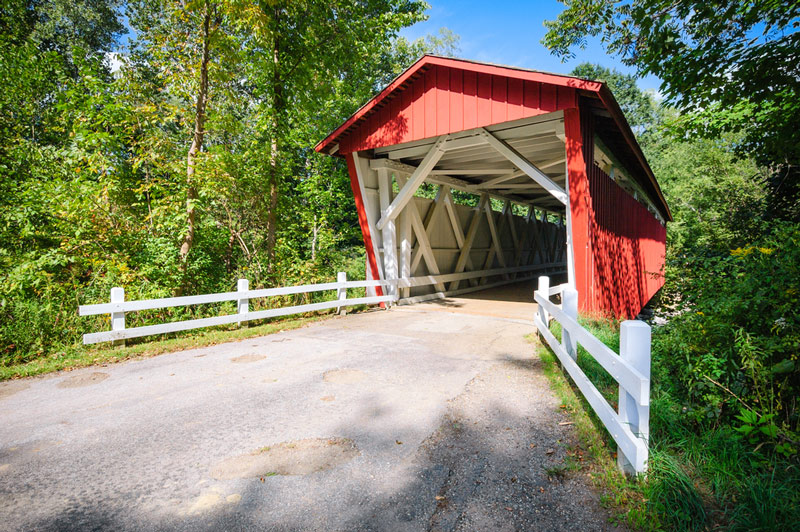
<point x="469" y="175"/>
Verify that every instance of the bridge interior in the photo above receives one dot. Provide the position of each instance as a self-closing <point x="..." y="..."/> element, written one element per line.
<point x="471" y="211"/>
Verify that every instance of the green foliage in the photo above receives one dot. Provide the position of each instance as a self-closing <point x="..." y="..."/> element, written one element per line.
<point x="640" y="109"/>
<point x="672" y="495"/>
<point x="729" y="65"/>
<point x="734" y="336"/>
<point x="93" y="164"/>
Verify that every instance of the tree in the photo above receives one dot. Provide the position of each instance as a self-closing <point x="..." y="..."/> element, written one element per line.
<point x="730" y="67"/>
<point x="638" y="106"/>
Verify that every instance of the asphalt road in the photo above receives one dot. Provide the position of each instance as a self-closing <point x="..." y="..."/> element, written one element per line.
<point x="409" y="419"/>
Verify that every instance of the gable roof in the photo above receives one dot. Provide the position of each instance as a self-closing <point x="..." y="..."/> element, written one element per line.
<point x="454" y="85"/>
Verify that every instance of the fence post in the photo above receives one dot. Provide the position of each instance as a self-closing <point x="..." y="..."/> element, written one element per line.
<point x="634" y="347"/>
<point x="118" y="318"/>
<point x="243" y="307"/>
<point x="544" y="291"/>
<point x="341" y="292"/>
<point x="569" y="304"/>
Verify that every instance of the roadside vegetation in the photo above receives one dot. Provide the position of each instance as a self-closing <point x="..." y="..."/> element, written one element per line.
<point x="725" y="147"/>
<point x="166" y="147"/>
<point x="700" y="477"/>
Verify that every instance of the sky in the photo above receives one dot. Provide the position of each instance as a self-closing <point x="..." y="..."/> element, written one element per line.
<point x="509" y="32"/>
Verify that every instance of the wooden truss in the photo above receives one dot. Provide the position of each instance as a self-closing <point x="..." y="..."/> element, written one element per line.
<point x="530" y="243"/>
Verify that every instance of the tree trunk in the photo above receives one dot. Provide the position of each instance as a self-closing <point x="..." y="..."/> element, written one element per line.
<point x="197" y="143"/>
<point x="314" y="240"/>
<point x="278" y="106"/>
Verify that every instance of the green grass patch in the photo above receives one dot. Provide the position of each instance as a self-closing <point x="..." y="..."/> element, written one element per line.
<point x="83" y="356"/>
<point x="595" y="452"/>
<point x="699" y="478"/>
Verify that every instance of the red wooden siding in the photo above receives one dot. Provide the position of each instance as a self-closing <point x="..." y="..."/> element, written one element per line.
<point x="618" y="246"/>
<point x="444" y="100"/>
<point x="628" y="246"/>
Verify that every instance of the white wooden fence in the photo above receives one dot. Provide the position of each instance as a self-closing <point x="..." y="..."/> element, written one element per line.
<point x="631" y="369"/>
<point x="118" y="307"/>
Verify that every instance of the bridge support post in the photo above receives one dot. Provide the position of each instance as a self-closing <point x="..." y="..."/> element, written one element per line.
<point x="341" y="292"/>
<point x="243" y="304"/>
<point x="118" y="318"/>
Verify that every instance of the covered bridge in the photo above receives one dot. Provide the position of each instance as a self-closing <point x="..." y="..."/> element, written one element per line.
<point x="550" y="175"/>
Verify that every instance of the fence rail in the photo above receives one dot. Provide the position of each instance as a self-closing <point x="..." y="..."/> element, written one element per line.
<point x="631" y="369"/>
<point x="118" y="307"/>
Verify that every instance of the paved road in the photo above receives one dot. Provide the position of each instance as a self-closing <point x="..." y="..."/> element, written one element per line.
<point x="409" y="419"/>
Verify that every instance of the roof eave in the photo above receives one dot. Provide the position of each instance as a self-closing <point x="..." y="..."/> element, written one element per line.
<point x="622" y="123"/>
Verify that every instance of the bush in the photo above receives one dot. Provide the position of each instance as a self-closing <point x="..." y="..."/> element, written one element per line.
<point x="731" y="342"/>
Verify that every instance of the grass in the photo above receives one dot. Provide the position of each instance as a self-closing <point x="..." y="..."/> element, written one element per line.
<point x="698" y="479"/>
<point x="83" y="356"/>
<point x="595" y="452"/>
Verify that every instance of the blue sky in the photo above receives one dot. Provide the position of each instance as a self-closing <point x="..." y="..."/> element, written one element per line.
<point x="509" y="32"/>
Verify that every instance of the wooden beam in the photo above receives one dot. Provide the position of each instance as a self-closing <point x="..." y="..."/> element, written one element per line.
<point x="455" y="224"/>
<point x="502" y="179"/>
<point x="470" y="238"/>
<point x="516" y="186"/>
<point x="405" y="250"/>
<point x="407" y="192"/>
<point x="552" y="162"/>
<point x="454" y="182"/>
<point x="498" y="247"/>
<point x="472" y="171"/>
<point x="422" y="237"/>
<point x="430" y="216"/>
<point x="389" y="243"/>
<point x="522" y="241"/>
<point x="526" y="166"/>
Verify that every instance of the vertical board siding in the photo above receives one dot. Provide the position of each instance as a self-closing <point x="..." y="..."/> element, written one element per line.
<point x="627" y="243"/>
<point x="628" y="248"/>
<point x="444" y="100"/>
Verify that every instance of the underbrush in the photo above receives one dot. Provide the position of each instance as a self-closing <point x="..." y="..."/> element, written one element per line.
<point x="701" y="476"/>
<point x="40" y="329"/>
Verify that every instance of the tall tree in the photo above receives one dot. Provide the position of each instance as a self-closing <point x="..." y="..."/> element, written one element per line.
<point x="638" y="106"/>
<point x="303" y="54"/>
<point x="730" y="66"/>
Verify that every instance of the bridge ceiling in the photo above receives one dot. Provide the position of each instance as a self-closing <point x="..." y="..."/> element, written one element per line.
<point x="482" y="168"/>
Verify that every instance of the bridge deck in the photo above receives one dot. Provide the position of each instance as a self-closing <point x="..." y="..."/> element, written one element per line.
<point x="511" y="301"/>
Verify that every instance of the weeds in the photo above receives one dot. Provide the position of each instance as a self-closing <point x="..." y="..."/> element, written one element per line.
<point x="700" y="477"/>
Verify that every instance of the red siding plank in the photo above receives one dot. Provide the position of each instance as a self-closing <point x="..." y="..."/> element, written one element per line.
<point x="547" y="100"/>
<point x="470" y="100"/>
<point x="418" y="109"/>
<point x="484" y="99"/>
<point x="456" y="100"/>
<point x="443" y="101"/>
<point x="531" y="98"/>
<point x="514" y="99"/>
<point x="499" y="99"/>
<point x="429" y="98"/>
